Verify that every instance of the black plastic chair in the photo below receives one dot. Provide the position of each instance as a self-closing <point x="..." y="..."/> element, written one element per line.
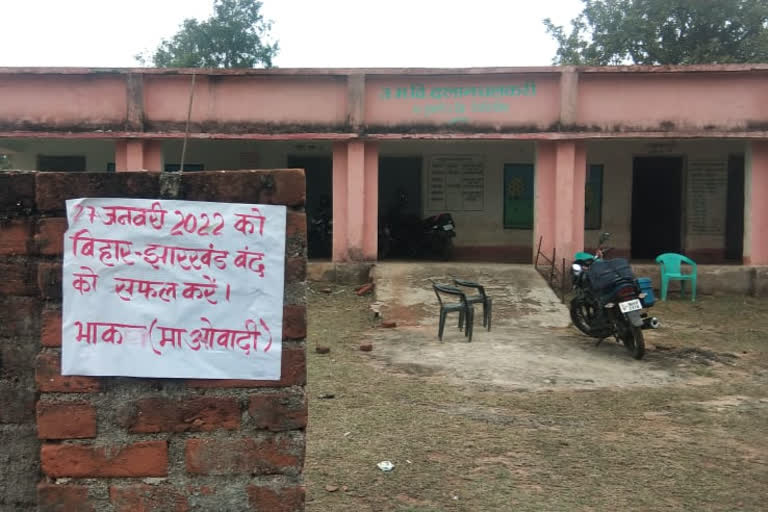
<point x="463" y="308"/>
<point x="479" y="298"/>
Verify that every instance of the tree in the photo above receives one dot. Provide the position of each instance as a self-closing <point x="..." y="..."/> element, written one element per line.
<point x="234" y="37"/>
<point x="654" y="32"/>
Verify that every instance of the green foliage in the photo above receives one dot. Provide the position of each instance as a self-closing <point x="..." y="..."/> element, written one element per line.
<point x="234" y="37"/>
<point x="657" y="32"/>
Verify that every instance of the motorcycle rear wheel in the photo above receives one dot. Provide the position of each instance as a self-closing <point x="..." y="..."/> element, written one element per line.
<point x="634" y="342"/>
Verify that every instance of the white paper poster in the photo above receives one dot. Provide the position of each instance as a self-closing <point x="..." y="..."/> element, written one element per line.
<point x="179" y="289"/>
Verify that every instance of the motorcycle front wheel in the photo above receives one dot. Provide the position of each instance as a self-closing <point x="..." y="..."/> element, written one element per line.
<point x="634" y="342"/>
<point x="586" y="316"/>
<point x="580" y="315"/>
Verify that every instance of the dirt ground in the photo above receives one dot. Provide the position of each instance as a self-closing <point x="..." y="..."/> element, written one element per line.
<point x="691" y="437"/>
<point x="529" y="347"/>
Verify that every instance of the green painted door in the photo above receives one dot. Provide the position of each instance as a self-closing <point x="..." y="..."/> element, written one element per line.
<point x="518" y="196"/>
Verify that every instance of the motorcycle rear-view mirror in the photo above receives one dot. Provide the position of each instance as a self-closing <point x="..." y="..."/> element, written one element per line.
<point x="604" y="237"/>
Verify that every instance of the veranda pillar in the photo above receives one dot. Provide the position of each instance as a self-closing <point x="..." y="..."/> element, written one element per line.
<point x="755" y="204"/>
<point x="138" y="155"/>
<point x="355" y="201"/>
<point x="560" y="177"/>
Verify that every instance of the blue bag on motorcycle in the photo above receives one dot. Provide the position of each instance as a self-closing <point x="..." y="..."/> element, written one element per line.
<point x="646" y="286"/>
<point x="605" y="276"/>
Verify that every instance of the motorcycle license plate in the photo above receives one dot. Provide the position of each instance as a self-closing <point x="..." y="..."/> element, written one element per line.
<point x="448" y="227"/>
<point x="630" y="305"/>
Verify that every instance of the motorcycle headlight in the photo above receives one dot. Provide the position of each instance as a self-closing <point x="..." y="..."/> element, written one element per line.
<point x="576" y="269"/>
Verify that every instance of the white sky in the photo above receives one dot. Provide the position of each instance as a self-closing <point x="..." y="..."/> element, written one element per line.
<point x="312" y="33"/>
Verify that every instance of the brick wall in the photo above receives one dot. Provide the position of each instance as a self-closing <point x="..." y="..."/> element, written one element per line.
<point x="127" y="444"/>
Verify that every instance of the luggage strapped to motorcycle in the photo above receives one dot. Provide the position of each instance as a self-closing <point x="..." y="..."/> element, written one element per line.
<point x="605" y="276"/>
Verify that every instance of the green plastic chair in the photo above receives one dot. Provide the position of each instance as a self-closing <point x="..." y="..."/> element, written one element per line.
<point x="671" y="270"/>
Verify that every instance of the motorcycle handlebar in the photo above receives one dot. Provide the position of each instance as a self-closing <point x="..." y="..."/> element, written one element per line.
<point x="605" y="250"/>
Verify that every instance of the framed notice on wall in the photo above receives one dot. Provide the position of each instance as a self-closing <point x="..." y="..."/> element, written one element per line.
<point x="456" y="183"/>
<point x="518" y="196"/>
<point x="707" y="189"/>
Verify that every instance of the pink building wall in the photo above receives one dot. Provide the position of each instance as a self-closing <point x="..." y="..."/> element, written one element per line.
<point x="499" y="100"/>
<point x="556" y="107"/>
<point x="64" y="101"/>
<point x="535" y="103"/>
<point x="657" y="101"/>
<point x="245" y="99"/>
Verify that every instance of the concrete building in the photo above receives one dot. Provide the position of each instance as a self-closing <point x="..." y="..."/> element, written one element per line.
<point x="665" y="158"/>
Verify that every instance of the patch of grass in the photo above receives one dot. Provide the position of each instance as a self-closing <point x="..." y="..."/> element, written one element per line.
<point x="479" y="448"/>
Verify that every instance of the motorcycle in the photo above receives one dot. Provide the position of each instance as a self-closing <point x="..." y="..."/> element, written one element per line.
<point x="582" y="308"/>
<point x="321" y="230"/>
<point x="414" y="238"/>
<point x="608" y="300"/>
<point x="440" y="231"/>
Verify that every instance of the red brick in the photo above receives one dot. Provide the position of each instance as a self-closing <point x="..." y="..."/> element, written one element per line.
<point x="63" y="498"/>
<point x="283" y="499"/>
<point x="50" y="329"/>
<point x="200" y="414"/>
<point x="15" y="236"/>
<point x="295" y="269"/>
<point x="49" y="280"/>
<point x="278" y="411"/>
<point x="296" y="233"/>
<point x="226" y="186"/>
<point x="18" y="278"/>
<point x="244" y="456"/>
<point x="296" y="225"/>
<point x="17" y="192"/>
<point x="147" y="498"/>
<point x="49" y="239"/>
<point x="50" y="380"/>
<point x="280" y="186"/>
<point x="149" y="458"/>
<point x="366" y="288"/>
<point x="19" y="316"/>
<point x="293" y="373"/>
<point x="290" y="187"/>
<point x="65" y="420"/>
<point x="294" y="322"/>
<point x="52" y="189"/>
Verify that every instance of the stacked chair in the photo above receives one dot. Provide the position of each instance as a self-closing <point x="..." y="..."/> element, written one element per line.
<point x="453" y="299"/>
